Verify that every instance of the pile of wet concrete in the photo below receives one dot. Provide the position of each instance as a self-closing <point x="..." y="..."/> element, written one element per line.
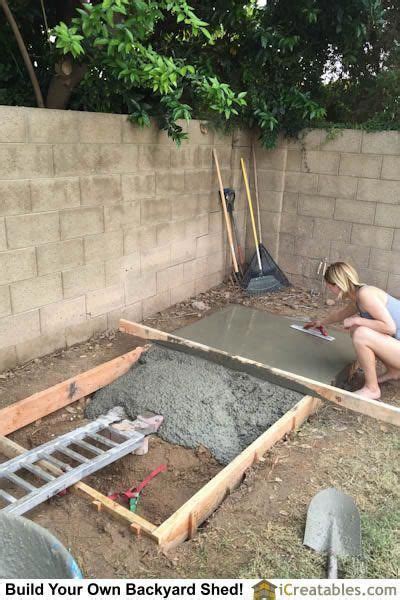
<point x="203" y="403"/>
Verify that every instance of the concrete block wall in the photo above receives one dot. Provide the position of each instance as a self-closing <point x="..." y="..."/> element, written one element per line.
<point x="337" y="199"/>
<point x="100" y="220"/>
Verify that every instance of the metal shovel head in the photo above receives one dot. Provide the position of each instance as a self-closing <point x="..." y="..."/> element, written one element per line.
<point x="333" y="524"/>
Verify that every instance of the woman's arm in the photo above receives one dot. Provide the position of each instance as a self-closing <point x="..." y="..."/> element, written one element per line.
<point x="333" y="317"/>
<point x="381" y="319"/>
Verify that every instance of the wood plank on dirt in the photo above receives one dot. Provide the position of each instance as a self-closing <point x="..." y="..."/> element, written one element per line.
<point x="371" y="408"/>
<point x="22" y="413"/>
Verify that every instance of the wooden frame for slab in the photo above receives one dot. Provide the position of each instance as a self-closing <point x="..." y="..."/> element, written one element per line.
<point x="184" y="522"/>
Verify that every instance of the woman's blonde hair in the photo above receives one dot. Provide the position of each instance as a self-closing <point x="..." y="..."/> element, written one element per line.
<point x="344" y="276"/>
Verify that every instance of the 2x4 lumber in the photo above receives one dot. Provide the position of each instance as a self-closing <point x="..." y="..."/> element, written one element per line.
<point x="11" y="449"/>
<point x="42" y="403"/>
<point x="183" y="523"/>
<point x="371" y="408"/>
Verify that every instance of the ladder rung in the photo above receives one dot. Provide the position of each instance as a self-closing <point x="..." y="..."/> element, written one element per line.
<point x="78" y="457"/>
<point x="89" y="447"/>
<point x="58" y="463"/>
<point x="39" y="472"/>
<point x="20" y="482"/>
<point x="125" y="434"/>
<point x="7" y="497"/>
<point x="102" y="440"/>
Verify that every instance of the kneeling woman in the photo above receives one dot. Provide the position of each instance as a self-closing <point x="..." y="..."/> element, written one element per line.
<point x="373" y="319"/>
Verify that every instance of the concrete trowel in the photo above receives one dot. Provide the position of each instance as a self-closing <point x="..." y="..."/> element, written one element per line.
<point x="333" y="526"/>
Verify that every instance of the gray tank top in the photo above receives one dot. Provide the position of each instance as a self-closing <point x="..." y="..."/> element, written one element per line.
<point x="393" y="306"/>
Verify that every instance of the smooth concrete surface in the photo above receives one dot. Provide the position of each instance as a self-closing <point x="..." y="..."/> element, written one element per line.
<point x="269" y="339"/>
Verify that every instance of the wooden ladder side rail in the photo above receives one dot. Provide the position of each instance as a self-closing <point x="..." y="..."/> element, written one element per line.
<point x="185" y="521"/>
<point x="22" y="413"/>
<point x="139" y="525"/>
<point x="371" y="408"/>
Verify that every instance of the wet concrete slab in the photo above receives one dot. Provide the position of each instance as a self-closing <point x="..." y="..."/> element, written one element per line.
<point x="269" y="339"/>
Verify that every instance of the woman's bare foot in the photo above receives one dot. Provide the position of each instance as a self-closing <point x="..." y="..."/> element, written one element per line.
<point x="389" y="375"/>
<point x="370" y="393"/>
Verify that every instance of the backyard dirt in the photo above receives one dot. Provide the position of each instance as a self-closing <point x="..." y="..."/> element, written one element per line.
<point x="257" y="531"/>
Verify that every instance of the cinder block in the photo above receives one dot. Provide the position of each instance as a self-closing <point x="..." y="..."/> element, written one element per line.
<point x="184" y="157"/>
<point x="316" y="161"/>
<point x="316" y="206"/>
<point x="270" y="201"/>
<point x="182" y="292"/>
<point x="396" y="240"/>
<point x="103" y="246"/>
<point x="296" y="224"/>
<point x="101" y="190"/>
<point x="391" y="168"/>
<point x="216" y="222"/>
<point x="381" y="142"/>
<point x="92" y="159"/>
<point x="393" y="286"/>
<point x="138" y="288"/>
<point x="378" y="278"/>
<point x="242" y="137"/>
<point x="14" y="197"/>
<point x="197" y="227"/>
<point x="203" y="284"/>
<point x="223" y="139"/>
<point x="3" y="238"/>
<point x="377" y="190"/>
<point x="156" y="259"/>
<point x="155" y="210"/>
<point x="335" y="186"/>
<point x="62" y="314"/>
<point x="327" y="229"/>
<point x="290" y="201"/>
<point x="123" y="216"/>
<point x="154" y="157"/>
<point x="40" y="346"/>
<point x="170" y="232"/>
<point x="387" y="215"/>
<point x="185" y="207"/>
<point x="184" y="250"/>
<point x="19" y="328"/>
<point x="55" y="194"/>
<point x="119" y="158"/>
<point x="383" y="260"/>
<point x="270" y="222"/>
<point x="271" y="181"/>
<point x="200" y="133"/>
<point x="138" y="186"/>
<point x="32" y="293"/>
<point x="271" y="159"/>
<point x="25" y="161"/>
<point x="368" y="235"/>
<point x="118" y="268"/>
<point x="294" y="160"/>
<point x="157" y="303"/>
<point x="59" y="256"/>
<point x="134" y="313"/>
<point x="80" y="280"/>
<point x="53" y="126"/>
<point x="140" y="238"/>
<point x="286" y="243"/>
<point x="99" y="128"/>
<point x="5" y="302"/>
<point x="17" y="265"/>
<point x="308" y="138"/>
<point x="306" y="246"/>
<point x="217" y="262"/>
<point x="80" y="222"/>
<point x="354" y="210"/>
<point x="32" y="229"/>
<point x="76" y="334"/>
<point x="343" y="140"/>
<point x="105" y="300"/>
<point x="170" y="278"/>
<point x="360" y="165"/>
<point x="209" y="244"/>
<point x="8" y="358"/>
<point x="358" y="256"/>
<point x="135" y="134"/>
<point x="197" y="181"/>
<point x="170" y="182"/>
<point x="304" y="183"/>
<point x="12" y="124"/>
<point x="292" y="264"/>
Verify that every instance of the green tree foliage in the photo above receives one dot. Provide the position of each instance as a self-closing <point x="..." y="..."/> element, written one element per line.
<point x="281" y="66"/>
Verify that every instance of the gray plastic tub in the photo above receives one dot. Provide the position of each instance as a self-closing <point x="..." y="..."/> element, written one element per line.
<point x="28" y="551"/>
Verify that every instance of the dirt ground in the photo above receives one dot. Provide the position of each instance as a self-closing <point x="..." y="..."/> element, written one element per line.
<point x="257" y="531"/>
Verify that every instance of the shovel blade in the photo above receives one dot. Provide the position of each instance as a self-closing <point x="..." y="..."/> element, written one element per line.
<point x="333" y="524"/>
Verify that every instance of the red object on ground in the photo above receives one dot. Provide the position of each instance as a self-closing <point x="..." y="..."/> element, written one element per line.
<point x="134" y="491"/>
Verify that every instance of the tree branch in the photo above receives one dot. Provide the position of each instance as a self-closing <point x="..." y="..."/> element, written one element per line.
<point x="24" y="53"/>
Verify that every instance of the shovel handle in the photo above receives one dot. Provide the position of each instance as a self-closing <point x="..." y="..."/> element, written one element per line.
<point x="332" y="566"/>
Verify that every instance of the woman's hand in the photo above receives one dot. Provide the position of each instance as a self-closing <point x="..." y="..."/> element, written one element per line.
<point x="313" y="325"/>
<point x="351" y="322"/>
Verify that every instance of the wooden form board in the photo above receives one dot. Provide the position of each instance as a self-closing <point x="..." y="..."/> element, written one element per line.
<point x="371" y="408"/>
